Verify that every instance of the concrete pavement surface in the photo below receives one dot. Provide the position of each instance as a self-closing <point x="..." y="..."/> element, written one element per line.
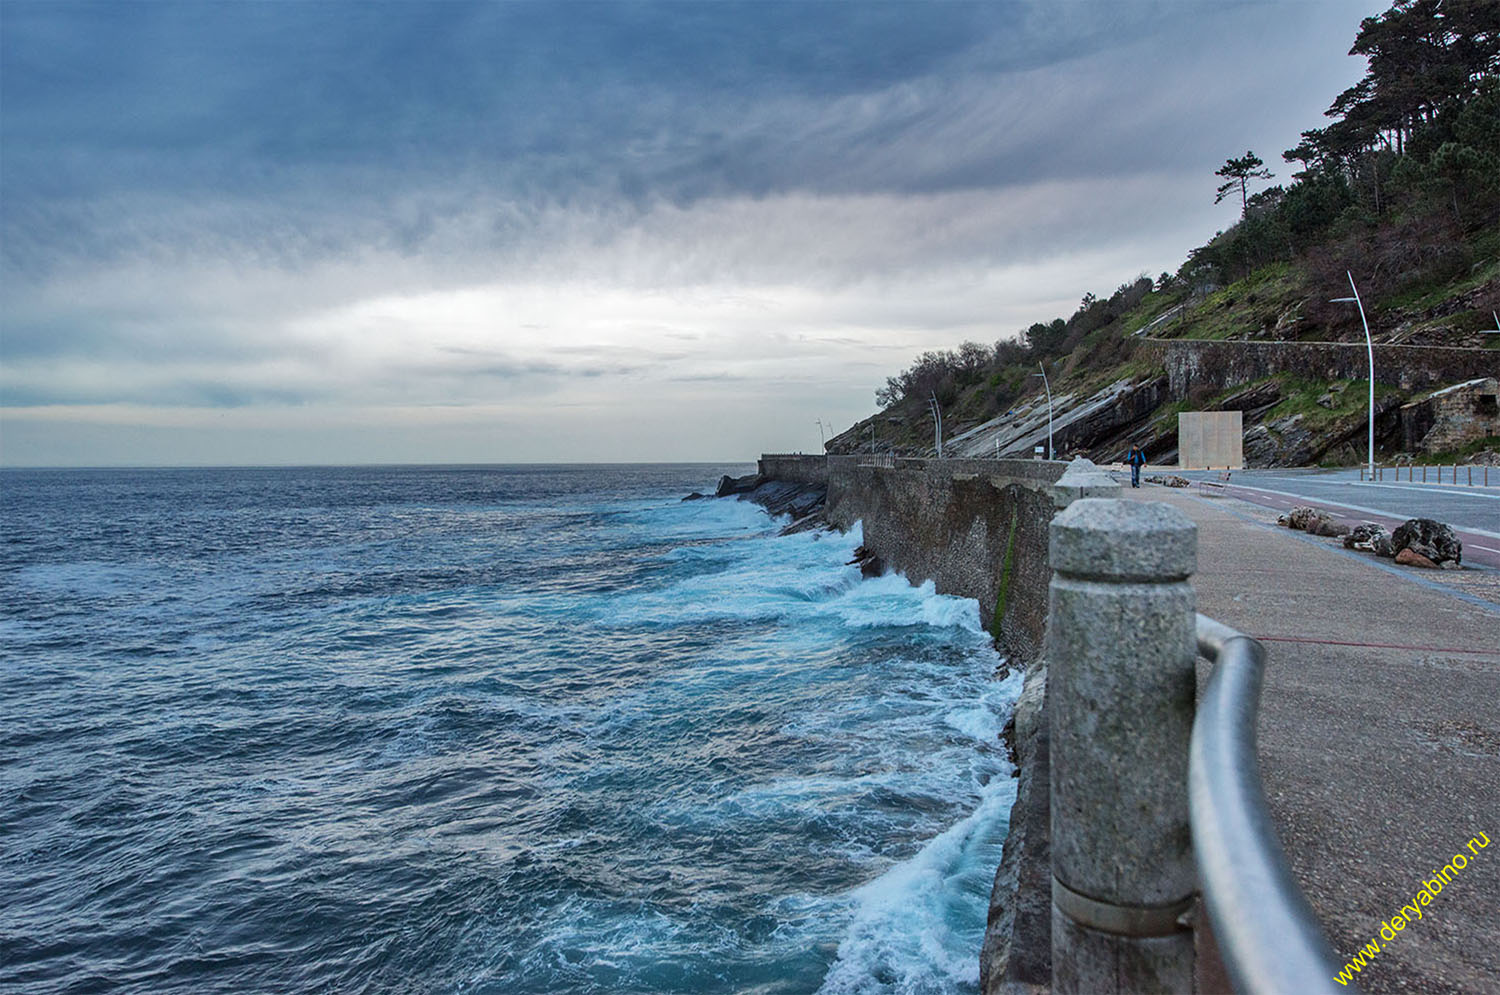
<point x="1379" y="736"/>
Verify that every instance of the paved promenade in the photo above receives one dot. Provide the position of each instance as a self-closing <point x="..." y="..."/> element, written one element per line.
<point x="1379" y="736"/>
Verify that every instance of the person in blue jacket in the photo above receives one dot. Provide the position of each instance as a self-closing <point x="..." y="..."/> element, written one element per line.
<point x="1137" y="459"/>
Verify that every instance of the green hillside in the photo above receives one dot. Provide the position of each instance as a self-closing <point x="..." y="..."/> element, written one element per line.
<point x="1401" y="190"/>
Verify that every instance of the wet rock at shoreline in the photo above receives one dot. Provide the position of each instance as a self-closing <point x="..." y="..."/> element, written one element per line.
<point x="730" y="486"/>
<point x="870" y="565"/>
<point x="802" y="501"/>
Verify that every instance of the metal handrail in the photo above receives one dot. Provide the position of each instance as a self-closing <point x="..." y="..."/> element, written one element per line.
<point x="1267" y="934"/>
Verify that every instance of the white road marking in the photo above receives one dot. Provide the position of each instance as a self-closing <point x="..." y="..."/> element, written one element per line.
<point x="1476" y="491"/>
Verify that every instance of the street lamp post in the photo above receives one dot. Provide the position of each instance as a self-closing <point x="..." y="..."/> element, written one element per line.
<point x="1048" y="388"/>
<point x="937" y="422"/>
<point x="821" y="441"/>
<point x="1369" y="348"/>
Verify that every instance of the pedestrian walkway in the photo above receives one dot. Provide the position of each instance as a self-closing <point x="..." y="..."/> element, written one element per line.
<point x="1379" y="739"/>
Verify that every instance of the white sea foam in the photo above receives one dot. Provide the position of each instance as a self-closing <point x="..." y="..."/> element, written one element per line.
<point x="917" y="928"/>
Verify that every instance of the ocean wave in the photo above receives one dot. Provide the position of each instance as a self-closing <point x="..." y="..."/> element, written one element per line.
<point x="504" y="730"/>
<point x="916" y="930"/>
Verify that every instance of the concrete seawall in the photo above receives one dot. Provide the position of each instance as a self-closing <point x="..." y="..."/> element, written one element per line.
<point x="978" y="529"/>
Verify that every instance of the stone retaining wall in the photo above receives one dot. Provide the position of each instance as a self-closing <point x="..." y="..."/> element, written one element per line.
<point x="795" y="468"/>
<point x="976" y="528"/>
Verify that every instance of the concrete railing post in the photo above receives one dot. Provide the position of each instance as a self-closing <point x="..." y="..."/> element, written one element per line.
<point x="1121" y="646"/>
<point x="1081" y="479"/>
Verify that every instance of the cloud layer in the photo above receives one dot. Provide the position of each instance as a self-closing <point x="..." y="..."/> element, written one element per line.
<point x="307" y="233"/>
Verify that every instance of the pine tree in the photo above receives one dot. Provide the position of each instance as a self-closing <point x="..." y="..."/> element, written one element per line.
<point x="1240" y="172"/>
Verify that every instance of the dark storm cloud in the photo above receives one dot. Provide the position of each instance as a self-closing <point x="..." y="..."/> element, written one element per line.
<point x="330" y="109"/>
<point x="350" y="211"/>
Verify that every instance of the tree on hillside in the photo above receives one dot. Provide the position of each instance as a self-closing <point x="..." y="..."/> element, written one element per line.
<point x="1425" y="58"/>
<point x="1239" y="173"/>
<point x="1044" y="337"/>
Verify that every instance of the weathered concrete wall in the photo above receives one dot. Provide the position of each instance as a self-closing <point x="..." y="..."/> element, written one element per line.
<point x="975" y="528"/>
<point x="796" y="468"/>
<point x="1216" y="365"/>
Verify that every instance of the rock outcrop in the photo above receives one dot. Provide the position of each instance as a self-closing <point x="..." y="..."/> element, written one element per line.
<point x="1452" y="417"/>
<point x="730" y="486"/>
<point x="1017" y="952"/>
<point x="802" y="501"/>
<point x="870" y="565"/>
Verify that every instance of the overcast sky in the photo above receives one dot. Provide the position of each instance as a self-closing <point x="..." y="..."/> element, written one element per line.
<point x="261" y="233"/>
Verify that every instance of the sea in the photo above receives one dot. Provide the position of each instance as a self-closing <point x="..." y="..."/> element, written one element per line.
<point x="491" y="729"/>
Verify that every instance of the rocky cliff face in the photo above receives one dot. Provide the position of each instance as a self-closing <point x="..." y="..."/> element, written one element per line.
<point x="1218" y="365"/>
<point x="1298" y="405"/>
<point x="1453" y="417"/>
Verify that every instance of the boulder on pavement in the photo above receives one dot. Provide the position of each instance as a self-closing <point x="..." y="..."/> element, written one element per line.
<point x="1430" y="539"/>
<point x="1409" y="557"/>
<point x="1324" y="525"/>
<point x="1297" y="518"/>
<point x="1368" y="536"/>
<point x="1311" y="521"/>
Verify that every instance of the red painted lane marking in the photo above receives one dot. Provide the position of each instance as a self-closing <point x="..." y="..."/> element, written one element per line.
<point x="1378" y="646"/>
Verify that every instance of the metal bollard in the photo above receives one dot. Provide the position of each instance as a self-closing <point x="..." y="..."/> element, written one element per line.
<point x="1120" y="648"/>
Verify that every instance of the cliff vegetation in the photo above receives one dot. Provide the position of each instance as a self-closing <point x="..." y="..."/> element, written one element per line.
<point x="1401" y="189"/>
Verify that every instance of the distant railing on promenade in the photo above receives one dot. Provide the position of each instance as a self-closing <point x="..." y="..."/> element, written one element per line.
<point x="1457" y="473"/>
<point x="1152" y="804"/>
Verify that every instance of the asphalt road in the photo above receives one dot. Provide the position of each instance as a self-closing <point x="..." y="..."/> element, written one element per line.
<point x="1472" y="512"/>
